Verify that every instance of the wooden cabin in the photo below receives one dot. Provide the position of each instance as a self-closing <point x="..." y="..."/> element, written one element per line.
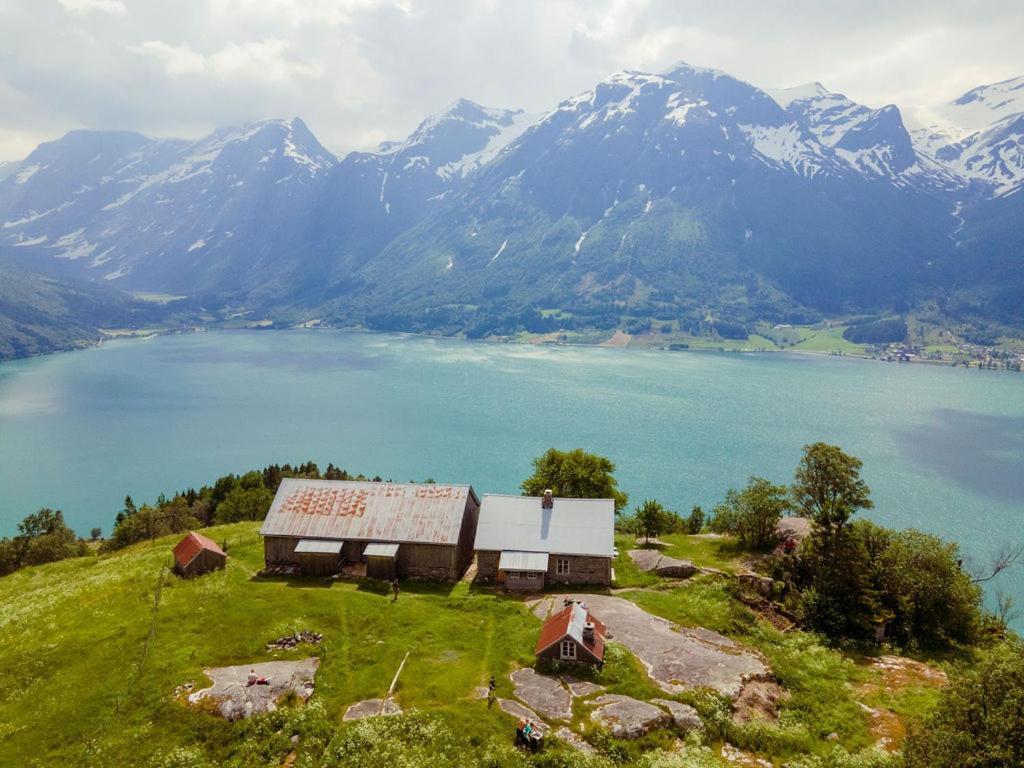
<point x="196" y="554"/>
<point x="398" y="530"/>
<point x="572" y="636"/>
<point x="525" y="542"/>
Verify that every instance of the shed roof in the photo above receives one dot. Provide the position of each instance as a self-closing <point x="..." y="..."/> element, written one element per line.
<point x="570" y="527"/>
<point x="365" y="511"/>
<point x="185" y="551"/>
<point x="523" y="561"/>
<point x="319" y="547"/>
<point x="377" y="549"/>
<point x="569" y="623"/>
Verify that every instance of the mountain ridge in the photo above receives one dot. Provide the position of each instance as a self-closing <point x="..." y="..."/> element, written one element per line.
<point x="673" y="194"/>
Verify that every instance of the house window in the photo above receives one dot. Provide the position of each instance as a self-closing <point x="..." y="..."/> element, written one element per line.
<point x="562" y="566"/>
<point x="568" y="650"/>
<point x="531" y="575"/>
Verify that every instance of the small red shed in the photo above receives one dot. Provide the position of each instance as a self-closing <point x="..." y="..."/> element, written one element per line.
<point x="572" y="635"/>
<point x="196" y="554"/>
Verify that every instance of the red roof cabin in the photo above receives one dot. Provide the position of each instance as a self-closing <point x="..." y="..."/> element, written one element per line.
<point x="196" y="554"/>
<point x="572" y="636"/>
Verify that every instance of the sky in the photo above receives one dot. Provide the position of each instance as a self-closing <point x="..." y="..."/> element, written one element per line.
<point x="363" y="71"/>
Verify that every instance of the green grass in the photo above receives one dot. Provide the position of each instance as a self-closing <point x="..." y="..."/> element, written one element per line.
<point x="72" y="637"/>
<point x="75" y="688"/>
<point x="827" y="340"/>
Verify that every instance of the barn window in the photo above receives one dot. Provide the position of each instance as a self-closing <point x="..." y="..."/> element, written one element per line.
<point x="562" y="566"/>
<point x="531" y="575"/>
<point x="568" y="649"/>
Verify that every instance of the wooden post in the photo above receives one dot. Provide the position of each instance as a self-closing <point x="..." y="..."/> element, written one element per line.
<point x="394" y="682"/>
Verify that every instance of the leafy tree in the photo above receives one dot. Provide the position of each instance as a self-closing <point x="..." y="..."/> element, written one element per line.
<point x="575" y="474"/>
<point x="752" y="514"/>
<point x="651" y="518"/>
<point x="979" y="719"/>
<point x="128" y="511"/>
<point x="839" y="603"/>
<point x="828" y="489"/>
<point x="96" y="534"/>
<point x="920" y="582"/>
<point x="244" y="503"/>
<point x="694" y="523"/>
<point x="43" y="537"/>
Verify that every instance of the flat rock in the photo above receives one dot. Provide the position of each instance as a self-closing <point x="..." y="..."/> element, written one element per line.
<point x="580" y="688"/>
<point x="235" y="699"/>
<point x="683" y="715"/>
<point x="517" y="710"/>
<point x="677" y="659"/>
<point x="625" y="717"/>
<point x="543" y="694"/>
<point x="653" y="561"/>
<point x="574" y="740"/>
<point x="372" y="708"/>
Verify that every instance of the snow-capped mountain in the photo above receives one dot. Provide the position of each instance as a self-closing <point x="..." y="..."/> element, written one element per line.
<point x="653" y="190"/>
<point x="678" y="194"/>
<point x="874" y="142"/>
<point x="164" y="212"/>
<point x="980" y="136"/>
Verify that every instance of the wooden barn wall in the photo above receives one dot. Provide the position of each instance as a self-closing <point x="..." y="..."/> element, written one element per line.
<point x="280" y="550"/>
<point x="427" y="561"/>
<point x="467" y="534"/>
<point x="380" y="568"/>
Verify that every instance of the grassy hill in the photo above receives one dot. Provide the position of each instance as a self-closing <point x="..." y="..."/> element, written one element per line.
<point x="89" y="666"/>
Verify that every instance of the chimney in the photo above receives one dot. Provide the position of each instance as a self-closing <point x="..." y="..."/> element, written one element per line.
<point x="588" y="632"/>
<point x="548" y="502"/>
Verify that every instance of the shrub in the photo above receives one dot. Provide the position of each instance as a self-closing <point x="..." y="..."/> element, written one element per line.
<point x="979" y="720"/>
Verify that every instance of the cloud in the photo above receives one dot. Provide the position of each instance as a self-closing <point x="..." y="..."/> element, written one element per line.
<point x="176" y="59"/>
<point x="267" y="60"/>
<point x="359" y="71"/>
<point x="82" y="7"/>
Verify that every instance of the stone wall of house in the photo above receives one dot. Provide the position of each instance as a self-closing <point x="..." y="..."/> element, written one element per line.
<point x="487" y="566"/>
<point x="583" y="569"/>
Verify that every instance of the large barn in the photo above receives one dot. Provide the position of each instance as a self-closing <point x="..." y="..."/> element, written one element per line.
<point x="525" y="542"/>
<point x="403" y="530"/>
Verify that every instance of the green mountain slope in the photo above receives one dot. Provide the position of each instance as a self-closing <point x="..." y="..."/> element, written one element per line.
<point x="43" y="314"/>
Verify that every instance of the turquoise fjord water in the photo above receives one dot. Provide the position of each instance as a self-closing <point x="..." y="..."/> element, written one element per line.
<point x="943" y="448"/>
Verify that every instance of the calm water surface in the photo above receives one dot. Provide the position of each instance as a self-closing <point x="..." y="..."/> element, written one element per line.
<point x="943" y="448"/>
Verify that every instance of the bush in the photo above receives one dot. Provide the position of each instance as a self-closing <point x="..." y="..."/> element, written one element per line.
<point x="979" y="720"/>
<point x="753" y="513"/>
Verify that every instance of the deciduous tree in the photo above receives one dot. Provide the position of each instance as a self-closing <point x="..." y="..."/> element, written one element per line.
<point x="575" y="474"/>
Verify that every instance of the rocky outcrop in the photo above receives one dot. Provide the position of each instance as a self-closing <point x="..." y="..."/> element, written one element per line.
<point x="652" y="561"/>
<point x="627" y="718"/>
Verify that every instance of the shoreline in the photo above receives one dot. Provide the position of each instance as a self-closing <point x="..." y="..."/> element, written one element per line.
<point x="618" y="340"/>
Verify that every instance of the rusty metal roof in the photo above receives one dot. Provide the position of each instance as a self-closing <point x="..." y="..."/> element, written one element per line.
<point x="365" y="511"/>
<point x="570" y="527"/>
<point x="569" y="623"/>
<point x="185" y="551"/>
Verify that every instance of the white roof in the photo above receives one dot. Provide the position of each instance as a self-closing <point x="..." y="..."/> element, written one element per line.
<point x="512" y="560"/>
<point x="380" y="550"/>
<point x="318" y="547"/>
<point x="570" y="527"/>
